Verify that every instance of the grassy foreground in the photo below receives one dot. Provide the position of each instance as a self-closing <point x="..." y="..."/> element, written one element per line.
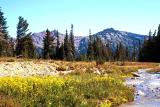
<point x="86" y="91"/>
<point x="81" y="88"/>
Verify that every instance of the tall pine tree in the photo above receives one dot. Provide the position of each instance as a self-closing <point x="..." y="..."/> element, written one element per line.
<point x="3" y="25"/>
<point x="67" y="48"/>
<point x="22" y="28"/>
<point x="57" y="46"/>
<point x="66" y="43"/>
<point x="47" y="42"/>
<point x="24" y="45"/>
<point x="62" y="52"/>
<point x="120" y="53"/>
<point x="150" y="36"/>
<point x="4" y="43"/>
<point x="98" y="48"/>
<point x="90" y="50"/>
<point x="12" y="50"/>
<point x="156" y="40"/>
<point x="28" y="49"/>
<point x="72" y="41"/>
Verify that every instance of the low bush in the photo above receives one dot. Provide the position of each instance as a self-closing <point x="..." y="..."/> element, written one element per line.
<point x="10" y="60"/>
<point x="100" y="62"/>
<point x="62" y="68"/>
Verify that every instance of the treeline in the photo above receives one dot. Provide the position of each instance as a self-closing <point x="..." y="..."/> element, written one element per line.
<point x="63" y="51"/>
<point x="96" y="51"/>
<point x="150" y="51"/>
<point x="24" y="47"/>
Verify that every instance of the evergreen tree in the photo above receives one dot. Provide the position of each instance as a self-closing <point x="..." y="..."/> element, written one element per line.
<point x="3" y="25"/>
<point x="120" y="53"/>
<point x="24" y="43"/>
<point x="156" y="42"/>
<point x="100" y="51"/>
<point x="22" y="28"/>
<point x="109" y="52"/>
<point x="158" y="33"/>
<point x="104" y="52"/>
<point x="116" y="53"/>
<point x="98" y="48"/>
<point x="150" y="35"/>
<point x="47" y="42"/>
<point x="4" y="43"/>
<point x="62" y="52"/>
<point x="68" y="48"/>
<point x="154" y="34"/>
<point x="127" y="55"/>
<point x="28" y="49"/>
<point x="19" y="47"/>
<point x="134" y="54"/>
<point x="66" y="44"/>
<point x="90" y="50"/>
<point x="69" y="56"/>
<point x="4" y="47"/>
<point x="72" y="42"/>
<point x="12" y="47"/>
<point x="57" y="46"/>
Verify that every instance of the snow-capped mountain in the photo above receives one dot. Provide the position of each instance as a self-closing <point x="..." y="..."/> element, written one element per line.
<point x="108" y="36"/>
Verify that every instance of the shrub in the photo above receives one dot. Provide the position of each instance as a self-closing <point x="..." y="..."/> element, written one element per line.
<point x="62" y="68"/>
<point x="100" y="62"/>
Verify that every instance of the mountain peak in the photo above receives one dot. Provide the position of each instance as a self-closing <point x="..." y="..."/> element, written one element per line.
<point x="109" y="30"/>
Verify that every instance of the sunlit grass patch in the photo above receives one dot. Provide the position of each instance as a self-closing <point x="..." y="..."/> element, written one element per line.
<point x="66" y="91"/>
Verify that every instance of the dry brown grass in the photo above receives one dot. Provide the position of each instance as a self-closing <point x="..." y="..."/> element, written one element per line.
<point x="108" y="67"/>
<point x="155" y="69"/>
<point x="83" y="67"/>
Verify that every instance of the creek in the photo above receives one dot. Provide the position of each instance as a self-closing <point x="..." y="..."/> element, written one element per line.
<point x="147" y="89"/>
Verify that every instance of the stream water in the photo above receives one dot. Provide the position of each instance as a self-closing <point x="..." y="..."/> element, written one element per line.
<point x="147" y="89"/>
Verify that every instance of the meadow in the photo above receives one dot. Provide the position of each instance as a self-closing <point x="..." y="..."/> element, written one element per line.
<point x="87" y="85"/>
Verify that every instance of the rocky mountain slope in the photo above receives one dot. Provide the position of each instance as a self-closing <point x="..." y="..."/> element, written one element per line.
<point x="109" y="36"/>
<point x="114" y="37"/>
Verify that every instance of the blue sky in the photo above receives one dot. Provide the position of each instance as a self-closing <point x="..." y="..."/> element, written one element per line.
<point x="138" y="16"/>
